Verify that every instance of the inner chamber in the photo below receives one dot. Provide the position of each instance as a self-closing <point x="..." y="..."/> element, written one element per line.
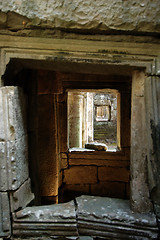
<point x="57" y="102"/>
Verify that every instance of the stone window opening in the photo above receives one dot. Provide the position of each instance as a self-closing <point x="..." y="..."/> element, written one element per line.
<point x="48" y="150"/>
<point x="103" y="113"/>
<point x="92" y="119"/>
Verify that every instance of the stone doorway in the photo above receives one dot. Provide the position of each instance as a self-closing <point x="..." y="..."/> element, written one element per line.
<point x="59" y="174"/>
<point x="137" y="111"/>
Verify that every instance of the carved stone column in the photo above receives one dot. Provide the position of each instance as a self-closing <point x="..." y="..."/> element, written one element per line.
<point x="75" y="117"/>
<point x="90" y="117"/>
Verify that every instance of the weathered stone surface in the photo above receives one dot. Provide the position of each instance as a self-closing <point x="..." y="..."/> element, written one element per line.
<point x="96" y="146"/>
<point x="140" y="199"/>
<point x="12" y="113"/>
<point x="5" y="224"/>
<point x="113" y="174"/>
<point x="100" y="15"/>
<point x="80" y="175"/>
<point x="13" y="139"/>
<point x="152" y="97"/>
<point x="112" y="218"/>
<point x="85" y="238"/>
<point x="52" y="220"/>
<point x="92" y="217"/>
<point x="22" y="197"/>
<point x="48" y="238"/>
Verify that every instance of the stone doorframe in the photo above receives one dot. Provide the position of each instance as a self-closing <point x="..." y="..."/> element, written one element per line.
<point x="139" y="60"/>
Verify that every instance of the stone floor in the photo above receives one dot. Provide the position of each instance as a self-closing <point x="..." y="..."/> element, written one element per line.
<point x="86" y="218"/>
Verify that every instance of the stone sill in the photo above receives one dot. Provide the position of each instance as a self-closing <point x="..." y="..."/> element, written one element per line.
<point x="80" y="150"/>
<point x="123" y="154"/>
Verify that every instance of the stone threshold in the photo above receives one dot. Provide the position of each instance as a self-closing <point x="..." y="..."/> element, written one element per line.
<point x="88" y="217"/>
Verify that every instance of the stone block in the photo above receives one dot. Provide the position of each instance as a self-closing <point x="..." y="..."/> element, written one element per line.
<point x="64" y="161"/>
<point x="98" y="162"/>
<point x="109" y="189"/>
<point x="140" y="194"/>
<point x="96" y="146"/>
<point x="14" y="165"/>
<point x="12" y="113"/>
<point x="113" y="174"/>
<point x="109" y="218"/>
<point x="51" y="220"/>
<point x="22" y="197"/>
<point x="13" y="138"/>
<point x="5" y="224"/>
<point x="80" y="175"/>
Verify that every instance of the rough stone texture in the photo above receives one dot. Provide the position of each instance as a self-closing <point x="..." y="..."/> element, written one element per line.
<point x="53" y="220"/>
<point x="91" y="217"/>
<point x="152" y="97"/>
<point x="49" y="238"/>
<point x="112" y="218"/>
<point x="13" y="139"/>
<point x="140" y="199"/>
<point x="152" y="93"/>
<point x="80" y="175"/>
<point x="20" y="198"/>
<point x="96" y="146"/>
<point x="100" y="15"/>
<point x="5" y="224"/>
